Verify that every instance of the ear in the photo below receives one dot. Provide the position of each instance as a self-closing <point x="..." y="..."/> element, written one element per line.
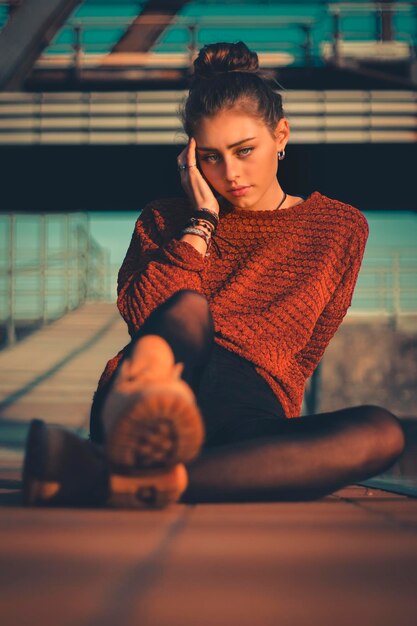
<point x="282" y="133"/>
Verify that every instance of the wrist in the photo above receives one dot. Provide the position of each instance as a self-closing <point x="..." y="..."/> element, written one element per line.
<point x="193" y="230"/>
<point x="196" y="242"/>
<point x="211" y="209"/>
<point x="204" y="224"/>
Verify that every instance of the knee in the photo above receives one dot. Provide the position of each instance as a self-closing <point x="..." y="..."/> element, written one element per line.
<point x="387" y="437"/>
<point x="191" y="304"/>
<point x="190" y="309"/>
<point x="190" y="295"/>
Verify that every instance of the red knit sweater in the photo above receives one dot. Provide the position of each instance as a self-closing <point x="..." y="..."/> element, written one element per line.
<point x="277" y="293"/>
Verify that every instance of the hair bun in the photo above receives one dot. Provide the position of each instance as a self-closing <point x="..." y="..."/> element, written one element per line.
<point x="219" y="58"/>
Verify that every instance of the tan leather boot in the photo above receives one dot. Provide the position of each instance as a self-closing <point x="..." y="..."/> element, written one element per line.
<point x="62" y="469"/>
<point x="150" y="416"/>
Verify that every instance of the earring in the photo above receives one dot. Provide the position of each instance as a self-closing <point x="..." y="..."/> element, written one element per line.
<point x="281" y="155"/>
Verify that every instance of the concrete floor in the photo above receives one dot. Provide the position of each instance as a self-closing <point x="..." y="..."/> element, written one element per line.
<point x="347" y="559"/>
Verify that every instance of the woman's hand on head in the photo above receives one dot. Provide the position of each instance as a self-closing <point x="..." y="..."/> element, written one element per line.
<point x="193" y="182"/>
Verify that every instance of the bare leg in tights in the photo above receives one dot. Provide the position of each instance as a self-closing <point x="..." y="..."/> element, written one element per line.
<point x="303" y="458"/>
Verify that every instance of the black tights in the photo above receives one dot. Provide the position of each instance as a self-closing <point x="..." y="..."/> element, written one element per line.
<point x="252" y="452"/>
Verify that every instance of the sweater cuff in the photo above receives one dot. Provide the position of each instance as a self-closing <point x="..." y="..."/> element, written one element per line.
<point x="183" y="254"/>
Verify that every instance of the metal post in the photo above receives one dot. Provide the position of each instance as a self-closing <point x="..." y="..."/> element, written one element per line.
<point x="336" y="37"/>
<point x="307" y="45"/>
<point x="88" y="260"/>
<point x="66" y="262"/>
<point x="108" y="281"/>
<point x="11" y="328"/>
<point x="396" y="279"/>
<point x="43" y="263"/>
<point x="83" y="264"/>
<point x="78" y="262"/>
<point x="84" y="274"/>
<point x="384" y="23"/>
<point x="412" y="66"/>
<point x="77" y="47"/>
<point x="192" y="46"/>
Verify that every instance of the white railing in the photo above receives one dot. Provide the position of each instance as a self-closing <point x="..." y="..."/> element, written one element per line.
<point x="49" y="265"/>
<point x="386" y="286"/>
<point x="387" y="283"/>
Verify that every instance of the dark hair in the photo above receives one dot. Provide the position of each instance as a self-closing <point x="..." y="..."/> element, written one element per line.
<point x="227" y="75"/>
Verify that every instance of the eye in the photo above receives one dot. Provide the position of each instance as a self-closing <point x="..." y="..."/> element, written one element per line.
<point x="208" y="158"/>
<point x="243" y="150"/>
<point x="212" y="158"/>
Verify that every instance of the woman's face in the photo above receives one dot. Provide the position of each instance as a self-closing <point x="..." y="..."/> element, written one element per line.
<point x="236" y="150"/>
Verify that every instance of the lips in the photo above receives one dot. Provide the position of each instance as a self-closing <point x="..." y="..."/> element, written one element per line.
<point x="239" y="191"/>
<point x="238" y="188"/>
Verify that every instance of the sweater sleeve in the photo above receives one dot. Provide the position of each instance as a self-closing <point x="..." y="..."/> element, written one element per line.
<point x="332" y="315"/>
<point x="156" y="265"/>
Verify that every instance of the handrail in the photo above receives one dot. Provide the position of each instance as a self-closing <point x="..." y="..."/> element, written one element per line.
<point x="288" y="50"/>
<point x="386" y="286"/>
<point x="386" y="266"/>
<point x="387" y="282"/>
<point x="151" y="117"/>
<point x="193" y="24"/>
<point x="39" y="282"/>
<point x="52" y="282"/>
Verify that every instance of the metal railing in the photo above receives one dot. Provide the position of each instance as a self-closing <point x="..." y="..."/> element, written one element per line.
<point x="86" y="45"/>
<point x="151" y="117"/>
<point x="49" y="265"/>
<point x="294" y="37"/>
<point x="386" y="286"/>
<point x="387" y="283"/>
<point x="386" y="289"/>
<point x="80" y="44"/>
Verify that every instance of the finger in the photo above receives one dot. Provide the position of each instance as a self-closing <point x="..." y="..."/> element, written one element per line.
<point x="182" y="157"/>
<point x="190" y="151"/>
<point x="180" y="166"/>
<point x="191" y="157"/>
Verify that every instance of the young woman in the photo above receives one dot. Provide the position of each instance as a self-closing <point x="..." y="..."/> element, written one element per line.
<point x="231" y="295"/>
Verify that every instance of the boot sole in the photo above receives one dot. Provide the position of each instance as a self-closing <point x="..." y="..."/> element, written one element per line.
<point x="155" y="489"/>
<point x="161" y="429"/>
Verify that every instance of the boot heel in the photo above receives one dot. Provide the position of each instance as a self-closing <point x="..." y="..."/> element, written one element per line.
<point x="150" y="490"/>
<point x="61" y="468"/>
<point x="34" y="463"/>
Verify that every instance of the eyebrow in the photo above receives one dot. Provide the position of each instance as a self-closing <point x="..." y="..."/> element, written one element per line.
<point x="232" y="145"/>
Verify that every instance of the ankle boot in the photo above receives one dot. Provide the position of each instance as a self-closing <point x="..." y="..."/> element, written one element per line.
<point x="62" y="469"/>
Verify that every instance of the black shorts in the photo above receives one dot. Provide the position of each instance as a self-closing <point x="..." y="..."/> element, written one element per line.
<point x="236" y="402"/>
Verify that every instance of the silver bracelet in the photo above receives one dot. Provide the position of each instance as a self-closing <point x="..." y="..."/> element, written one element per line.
<point x="206" y="226"/>
<point x="197" y="231"/>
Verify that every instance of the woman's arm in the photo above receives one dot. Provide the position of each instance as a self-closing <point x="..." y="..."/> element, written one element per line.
<point x="332" y="315"/>
<point x="154" y="269"/>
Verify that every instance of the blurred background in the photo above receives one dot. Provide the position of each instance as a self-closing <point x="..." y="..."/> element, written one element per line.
<point x="89" y="133"/>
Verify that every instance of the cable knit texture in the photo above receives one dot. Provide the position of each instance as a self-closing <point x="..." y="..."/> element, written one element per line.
<point x="279" y="283"/>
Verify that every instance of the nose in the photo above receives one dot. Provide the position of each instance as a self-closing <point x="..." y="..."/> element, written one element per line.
<point x="231" y="170"/>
